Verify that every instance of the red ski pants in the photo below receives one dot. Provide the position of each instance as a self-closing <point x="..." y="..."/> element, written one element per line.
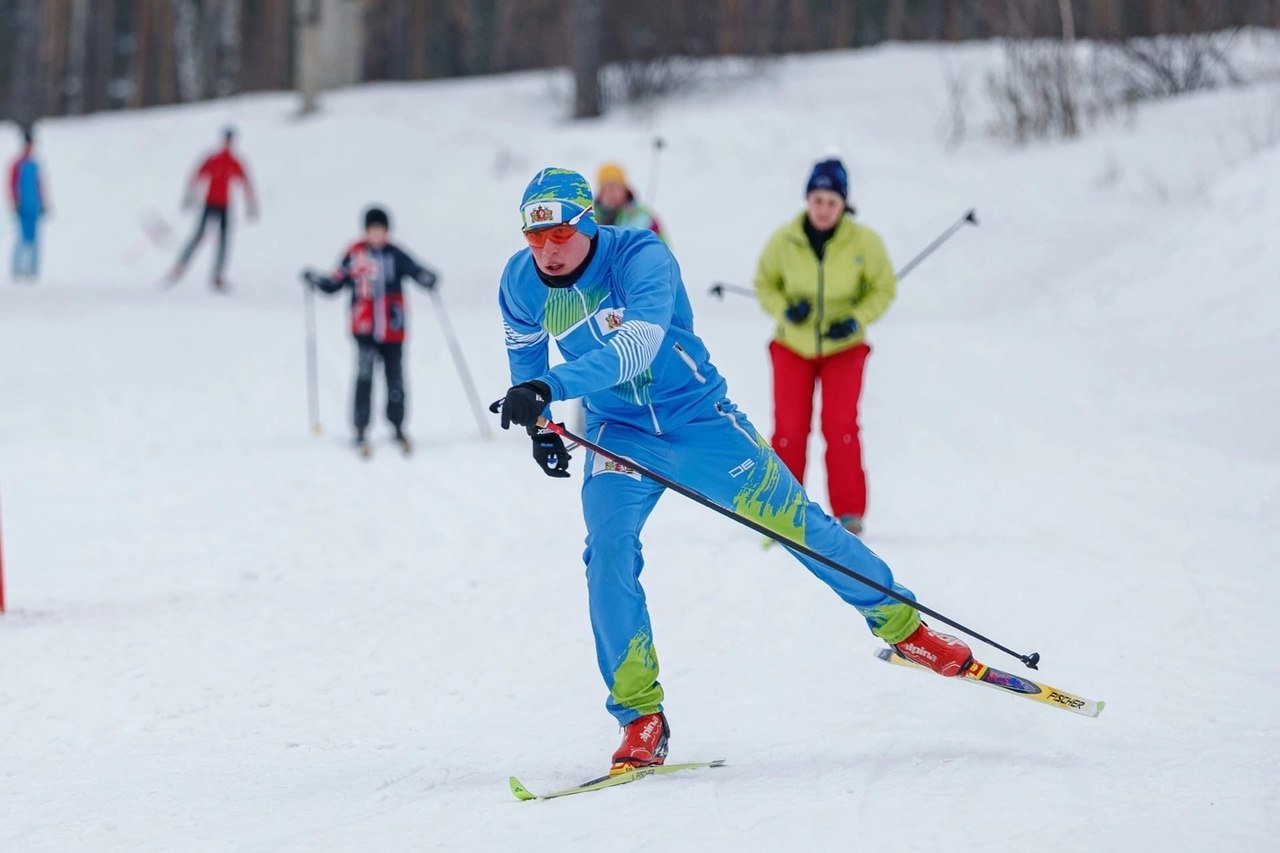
<point x="840" y="378"/>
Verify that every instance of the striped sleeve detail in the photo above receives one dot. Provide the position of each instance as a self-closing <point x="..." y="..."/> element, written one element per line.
<point x="520" y="340"/>
<point x="636" y="343"/>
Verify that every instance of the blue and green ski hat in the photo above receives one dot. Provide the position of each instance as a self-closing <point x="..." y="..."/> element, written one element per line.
<point x="558" y="197"/>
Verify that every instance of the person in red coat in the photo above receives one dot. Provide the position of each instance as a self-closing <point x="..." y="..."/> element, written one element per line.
<point x="217" y="173"/>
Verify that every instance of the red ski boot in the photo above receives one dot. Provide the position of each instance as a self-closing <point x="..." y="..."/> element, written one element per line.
<point x="644" y="744"/>
<point x="941" y="653"/>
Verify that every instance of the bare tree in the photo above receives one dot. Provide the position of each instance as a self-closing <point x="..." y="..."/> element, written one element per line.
<point x="226" y="64"/>
<point x="587" y="22"/>
<point x="77" y="47"/>
<point x="100" y="55"/>
<point x="308" y="19"/>
<point x="24" y="63"/>
<point x="1067" y="75"/>
<point x="186" y="39"/>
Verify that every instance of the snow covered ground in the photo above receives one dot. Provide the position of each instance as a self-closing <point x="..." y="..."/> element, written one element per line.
<point x="226" y="634"/>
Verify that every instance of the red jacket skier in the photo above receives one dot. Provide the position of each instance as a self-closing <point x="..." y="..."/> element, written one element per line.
<point x="217" y="173"/>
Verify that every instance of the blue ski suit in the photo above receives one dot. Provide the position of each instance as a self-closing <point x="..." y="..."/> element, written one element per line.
<point x="652" y="395"/>
<point x="28" y="205"/>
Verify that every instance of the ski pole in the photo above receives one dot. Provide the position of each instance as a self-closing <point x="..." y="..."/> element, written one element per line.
<point x="1031" y="660"/>
<point x="719" y="289"/>
<point x="313" y="378"/>
<point x="970" y="218"/>
<point x="658" y="145"/>
<point x="460" y="363"/>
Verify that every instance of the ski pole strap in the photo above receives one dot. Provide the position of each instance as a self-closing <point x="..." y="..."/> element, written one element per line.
<point x="1031" y="660"/>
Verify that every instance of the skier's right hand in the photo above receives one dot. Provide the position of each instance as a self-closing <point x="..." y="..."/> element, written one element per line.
<point x="549" y="452"/>
<point x="312" y="278"/>
<point x="797" y="312"/>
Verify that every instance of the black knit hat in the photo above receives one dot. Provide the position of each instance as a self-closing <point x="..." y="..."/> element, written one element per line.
<point x="377" y="216"/>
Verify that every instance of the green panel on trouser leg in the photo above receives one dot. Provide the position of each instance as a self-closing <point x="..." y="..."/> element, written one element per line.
<point x="892" y="622"/>
<point x="635" y="681"/>
<point x="771" y="499"/>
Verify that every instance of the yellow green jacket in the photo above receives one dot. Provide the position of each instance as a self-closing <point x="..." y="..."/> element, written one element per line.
<point x="854" y="279"/>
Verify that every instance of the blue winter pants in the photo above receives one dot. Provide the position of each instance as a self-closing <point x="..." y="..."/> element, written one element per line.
<point x="721" y="456"/>
<point x="26" y="252"/>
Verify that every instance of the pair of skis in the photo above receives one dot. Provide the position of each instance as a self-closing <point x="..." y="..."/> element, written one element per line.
<point x="977" y="673"/>
<point x="364" y="447"/>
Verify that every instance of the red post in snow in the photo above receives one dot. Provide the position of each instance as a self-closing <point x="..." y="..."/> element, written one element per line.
<point x="1" y="569"/>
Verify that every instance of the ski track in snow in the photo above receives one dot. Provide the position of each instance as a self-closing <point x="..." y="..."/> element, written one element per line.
<point x="226" y="634"/>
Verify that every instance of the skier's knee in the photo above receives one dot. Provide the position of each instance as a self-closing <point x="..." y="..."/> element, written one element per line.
<point x="610" y="554"/>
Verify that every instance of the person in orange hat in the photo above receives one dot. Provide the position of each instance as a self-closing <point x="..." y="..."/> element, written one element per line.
<point x="616" y="204"/>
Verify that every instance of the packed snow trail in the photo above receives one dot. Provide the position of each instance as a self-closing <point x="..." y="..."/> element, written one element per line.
<point x="225" y="632"/>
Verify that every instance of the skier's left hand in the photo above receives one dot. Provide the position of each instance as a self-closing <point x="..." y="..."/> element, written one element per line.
<point x="842" y="329"/>
<point x="525" y="403"/>
<point x="550" y="452"/>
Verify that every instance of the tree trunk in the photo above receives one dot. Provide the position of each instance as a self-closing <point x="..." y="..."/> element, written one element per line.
<point x="1070" y="126"/>
<point x="226" y="80"/>
<point x="186" y="40"/>
<point x="24" y="63"/>
<point x="587" y="27"/>
<point x="1104" y="19"/>
<point x="845" y="11"/>
<point x="894" y="20"/>
<point x="308" y="20"/>
<point x="100" y="54"/>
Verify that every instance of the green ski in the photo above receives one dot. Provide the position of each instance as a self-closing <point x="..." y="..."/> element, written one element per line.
<point x="523" y="793"/>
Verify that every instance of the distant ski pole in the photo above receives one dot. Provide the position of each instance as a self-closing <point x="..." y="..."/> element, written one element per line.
<point x="1032" y="660"/>
<point x="460" y="363"/>
<point x="1" y="570"/>
<point x="654" y="161"/>
<point x="970" y="218"/>
<point x="720" y="288"/>
<point x="313" y="378"/>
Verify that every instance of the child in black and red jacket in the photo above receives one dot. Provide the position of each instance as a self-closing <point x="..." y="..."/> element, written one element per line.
<point x="374" y="268"/>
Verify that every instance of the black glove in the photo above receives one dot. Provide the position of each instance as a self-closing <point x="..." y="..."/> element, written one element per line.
<point x="525" y="403"/>
<point x="550" y="452"/>
<point x="842" y="329"/>
<point x="427" y="278"/>
<point x="313" y="278"/>
<point x="797" y="311"/>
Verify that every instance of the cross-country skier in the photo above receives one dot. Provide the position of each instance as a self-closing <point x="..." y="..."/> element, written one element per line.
<point x="218" y="172"/>
<point x="614" y="301"/>
<point x="616" y="202"/>
<point x="824" y="278"/>
<point x="374" y="268"/>
<point x="26" y="194"/>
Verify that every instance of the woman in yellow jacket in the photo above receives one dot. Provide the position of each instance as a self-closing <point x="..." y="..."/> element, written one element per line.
<point x="824" y="278"/>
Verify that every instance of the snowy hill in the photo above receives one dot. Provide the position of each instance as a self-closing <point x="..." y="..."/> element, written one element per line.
<point x="226" y="634"/>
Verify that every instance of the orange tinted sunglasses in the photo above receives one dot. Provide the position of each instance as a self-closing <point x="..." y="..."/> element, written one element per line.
<point x="562" y="233"/>
<point x="559" y="234"/>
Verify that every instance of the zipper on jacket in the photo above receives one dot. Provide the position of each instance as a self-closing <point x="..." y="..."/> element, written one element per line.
<point x="688" y="360"/>
<point x="821" y="289"/>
